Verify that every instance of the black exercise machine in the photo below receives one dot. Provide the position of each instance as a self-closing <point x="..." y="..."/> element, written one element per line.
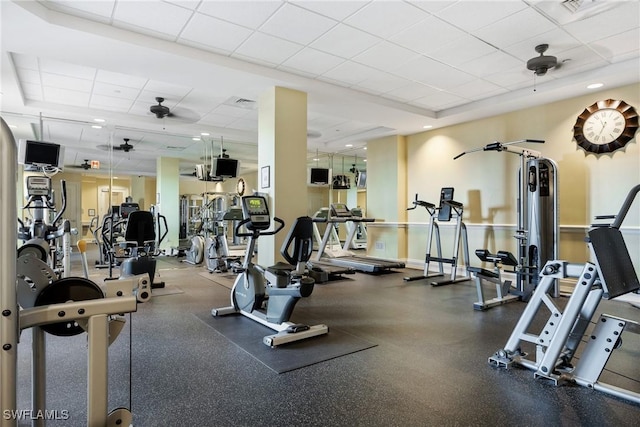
<point x="444" y="213"/>
<point x="269" y="295"/>
<point x="503" y="288"/>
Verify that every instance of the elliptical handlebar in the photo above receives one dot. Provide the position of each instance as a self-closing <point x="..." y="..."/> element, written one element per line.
<point x="63" y="184"/>
<point x="428" y="206"/>
<point x="258" y="233"/>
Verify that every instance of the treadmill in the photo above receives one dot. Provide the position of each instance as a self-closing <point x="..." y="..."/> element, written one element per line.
<point x="339" y="213"/>
<point x="320" y="270"/>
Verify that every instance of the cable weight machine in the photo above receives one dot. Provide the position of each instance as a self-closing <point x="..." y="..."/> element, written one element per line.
<point x="537" y="228"/>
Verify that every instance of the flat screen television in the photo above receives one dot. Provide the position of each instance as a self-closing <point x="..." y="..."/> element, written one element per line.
<point x="362" y="180"/>
<point x="225" y="168"/>
<point x="40" y="153"/>
<point x="319" y="176"/>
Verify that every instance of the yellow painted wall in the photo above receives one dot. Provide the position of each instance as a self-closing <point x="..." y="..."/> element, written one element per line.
<point x="486" y="182"/>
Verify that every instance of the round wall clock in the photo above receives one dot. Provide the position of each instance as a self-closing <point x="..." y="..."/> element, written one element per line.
<point x="605" y="126"/>
<point x="240" y="187"/>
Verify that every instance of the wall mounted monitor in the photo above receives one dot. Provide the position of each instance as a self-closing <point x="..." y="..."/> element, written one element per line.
<point x="362" y="180"/>
<point x="319" y="176"/>
<point x="40" y="153"/>
<point x="226" y="168"/>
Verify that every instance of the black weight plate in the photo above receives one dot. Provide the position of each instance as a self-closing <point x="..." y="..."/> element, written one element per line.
<point x="65" y="290"/>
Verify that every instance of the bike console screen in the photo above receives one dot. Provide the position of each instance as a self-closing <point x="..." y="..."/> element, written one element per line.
<point x="256" y="210"/>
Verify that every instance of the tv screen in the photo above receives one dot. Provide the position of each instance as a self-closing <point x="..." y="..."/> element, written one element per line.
<point x="362" y="180"/>
<point x="319" y="176"/>
<point x="227" y="168"/>
<point x="40" y="153"/>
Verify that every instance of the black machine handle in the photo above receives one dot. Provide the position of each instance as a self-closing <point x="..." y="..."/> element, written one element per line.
<point x="416" y="203"/>
<point x="166" y="228"/>
<point x="499" y="146"/>
<point x="257" y="233"/>
<point x="302" y="234"/>
<point x="63" y="183"/>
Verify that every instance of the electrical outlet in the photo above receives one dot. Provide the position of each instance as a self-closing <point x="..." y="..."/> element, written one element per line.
<point x="380" y="246"/>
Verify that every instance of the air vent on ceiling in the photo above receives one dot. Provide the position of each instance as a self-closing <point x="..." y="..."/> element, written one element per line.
<point x="236" y="101"/>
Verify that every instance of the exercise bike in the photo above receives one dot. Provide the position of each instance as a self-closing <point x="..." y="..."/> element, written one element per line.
<point x="269" y="295"/>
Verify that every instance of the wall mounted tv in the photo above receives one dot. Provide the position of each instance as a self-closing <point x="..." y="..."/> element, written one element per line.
<point x="362" y="179"/>
<point x="319" y="176"/>
<point x="225" y="167"/>
<point x="40" y="153"/>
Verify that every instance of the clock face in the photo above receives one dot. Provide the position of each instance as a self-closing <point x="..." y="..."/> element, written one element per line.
<point x="605" y="126"/>
<point x="240" y="187"/>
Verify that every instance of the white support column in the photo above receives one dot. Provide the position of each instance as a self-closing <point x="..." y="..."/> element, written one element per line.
<point x="168" y="198"/>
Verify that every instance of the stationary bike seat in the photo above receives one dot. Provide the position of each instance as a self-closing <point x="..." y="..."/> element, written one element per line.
<point x="281" y="269"/>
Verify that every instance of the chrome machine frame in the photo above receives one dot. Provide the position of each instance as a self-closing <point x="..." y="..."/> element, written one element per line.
<point x="537" y="229"/>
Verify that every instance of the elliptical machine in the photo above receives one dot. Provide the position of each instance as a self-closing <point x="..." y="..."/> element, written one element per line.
<point x="269" y="295"/>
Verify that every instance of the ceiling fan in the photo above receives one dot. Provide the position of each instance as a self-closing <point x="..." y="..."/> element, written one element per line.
<point x="541" y="64"/>
<point x="126" y="147"/>
<point x="160" y="111"/>
<point x="180" y="114"/>
<point x="86" y="165"/>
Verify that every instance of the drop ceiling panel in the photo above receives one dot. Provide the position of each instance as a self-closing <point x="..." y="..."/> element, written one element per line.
<point x="312" y="61"/>
<point x="345" y="41"/>
<point x="214" y="33"/>
<point x="431" y="5"/>
<point x="251" y="14"/>
<point x="410" y="92"/>
<point x="428" y="35"/>
<point x="115" y="91"/>
<point x="617" y="48"/>
<point x="606" y="24"/>
<point x="171" y="92"/>
<point x="121" y="79"/>
<point x="66" y="69"/>
<point x="476" y="89"/>
<point x="515" y="28"/>
<point x="161" y="17"/>
<point x="66" y="97"/>
<point x="440" y="101"/>
<point x="267" y="48"/>
<point x="381" y="82"/>
<point x="472" y="15"/>
<point x="348" y="73"/>
<point x="337" y="10"/>
<point x="492" y="62"/>
<point x="385" y="19"/>
<point x="296" y="24"/>
<point x="110" y="103"/>
<point x="385" y="56"/>
<point x="461" y="50"/>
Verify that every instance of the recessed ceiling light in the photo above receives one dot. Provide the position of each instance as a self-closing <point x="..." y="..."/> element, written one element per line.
<point x="427" y="127"/>
<point x="99" y="120"/>
<point x="96" y="126"/>
<point x="364" y="148"/>
<point x="595" y="85"/>
<point x="204" y="133"/>
<point x="365" y="160"/>
<point x="196" y="138"/>
<point x="315" y="160"/>
<point x="349" y="145"/>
